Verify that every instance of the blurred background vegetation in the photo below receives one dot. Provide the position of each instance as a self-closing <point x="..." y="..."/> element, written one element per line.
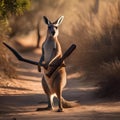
<point x="8" y="9"/>
<point x="94" y="25"/>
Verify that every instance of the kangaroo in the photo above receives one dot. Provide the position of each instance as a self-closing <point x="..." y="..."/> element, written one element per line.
<point x="51" y="52"/>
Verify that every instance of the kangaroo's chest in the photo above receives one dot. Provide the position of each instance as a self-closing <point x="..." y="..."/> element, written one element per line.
<point x="48" y="50"/>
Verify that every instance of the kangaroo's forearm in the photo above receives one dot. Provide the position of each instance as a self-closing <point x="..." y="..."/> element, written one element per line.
<point x="41" y="59"/>
<point x="55" y="58"/>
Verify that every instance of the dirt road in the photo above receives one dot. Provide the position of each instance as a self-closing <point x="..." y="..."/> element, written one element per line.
<point x="22" y="96"/>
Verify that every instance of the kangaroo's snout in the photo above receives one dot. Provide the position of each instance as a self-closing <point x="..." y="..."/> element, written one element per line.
<point x="52" y="30"/>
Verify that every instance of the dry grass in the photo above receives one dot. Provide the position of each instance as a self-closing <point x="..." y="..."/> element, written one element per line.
<point x="98" y="45"/>
<point x="6" y="66"/>
<point x="109" y="79"/>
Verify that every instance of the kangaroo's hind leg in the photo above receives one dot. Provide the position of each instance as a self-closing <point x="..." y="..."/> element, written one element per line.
<point x="59" y="96"/>
<point x="59" y="84"/>
<point x="48" y="93"/>
<point x="49" y="96"/>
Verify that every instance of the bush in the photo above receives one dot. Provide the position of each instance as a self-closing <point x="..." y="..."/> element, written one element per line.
<point x="7" y="9"/>
<point x="109" y="76"/>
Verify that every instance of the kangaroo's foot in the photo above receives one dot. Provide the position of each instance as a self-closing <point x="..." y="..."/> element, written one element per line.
<point x="43" y="109"/>
<point x="60" y="110"/>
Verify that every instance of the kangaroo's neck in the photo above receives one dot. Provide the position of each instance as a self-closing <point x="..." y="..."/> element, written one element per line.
<point x="51" y="38"/>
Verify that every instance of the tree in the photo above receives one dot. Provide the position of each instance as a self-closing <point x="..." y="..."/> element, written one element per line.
<point x="11" y="7"/>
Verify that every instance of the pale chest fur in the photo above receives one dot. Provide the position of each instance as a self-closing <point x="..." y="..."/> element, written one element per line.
<point x="48" y="47"/>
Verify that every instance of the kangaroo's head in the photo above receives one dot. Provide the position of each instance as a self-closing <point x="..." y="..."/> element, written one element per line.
<point x="53" y="26"/>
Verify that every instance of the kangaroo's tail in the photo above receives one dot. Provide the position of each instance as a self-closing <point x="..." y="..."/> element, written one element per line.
<point x="69" y="104"/>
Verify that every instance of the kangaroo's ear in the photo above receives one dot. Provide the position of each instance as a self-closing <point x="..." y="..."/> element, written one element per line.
<point x="46" y="20"/>
<point x="59" y="20"/>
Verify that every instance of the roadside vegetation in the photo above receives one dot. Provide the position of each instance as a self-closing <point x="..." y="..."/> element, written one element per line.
<point x="8" y="9"/>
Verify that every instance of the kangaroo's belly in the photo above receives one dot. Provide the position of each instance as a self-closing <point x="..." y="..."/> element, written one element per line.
<point x="57" y="80"/>
<point x="48" y="55"/>
<point x="48" y="50"/>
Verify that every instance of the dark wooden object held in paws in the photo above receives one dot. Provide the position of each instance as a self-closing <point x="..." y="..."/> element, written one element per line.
<point x="60" y="61"/>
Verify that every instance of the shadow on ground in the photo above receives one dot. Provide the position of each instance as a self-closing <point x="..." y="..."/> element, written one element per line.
<point x="21" y="103"/>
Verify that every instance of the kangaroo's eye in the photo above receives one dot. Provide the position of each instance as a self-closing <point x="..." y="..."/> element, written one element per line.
<point x="56" y="27"/>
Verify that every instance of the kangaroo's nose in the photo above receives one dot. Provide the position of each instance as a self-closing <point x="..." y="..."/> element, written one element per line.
<point x="53" y="33"/>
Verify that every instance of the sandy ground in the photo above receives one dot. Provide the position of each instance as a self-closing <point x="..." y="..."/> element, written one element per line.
<point x="22" y="96"/>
